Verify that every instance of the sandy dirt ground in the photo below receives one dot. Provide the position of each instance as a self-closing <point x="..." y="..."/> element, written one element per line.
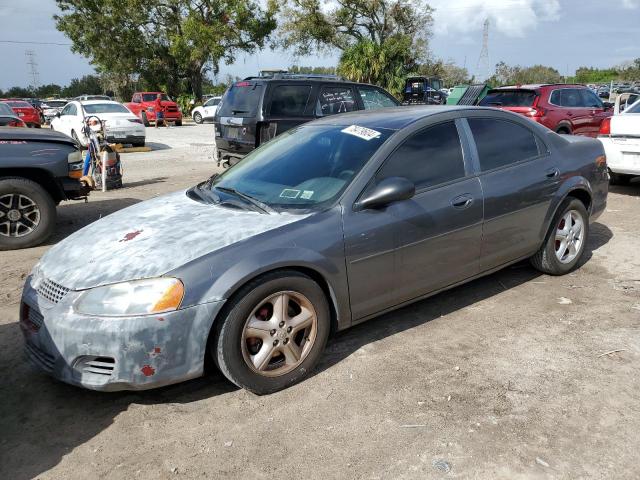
<point x="507" y="377"/>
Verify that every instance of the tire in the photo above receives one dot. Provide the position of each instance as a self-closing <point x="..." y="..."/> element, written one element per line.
<point x="35" y="206"/>
<point x="231" y="343"/>
<point x="546" y="259"/>
<point x="178" y="123"/>
<point x="145" y="120"/>
<point x="197" y="118"/>
<point x="563" y="131"/>
<point x="619" y="178"/>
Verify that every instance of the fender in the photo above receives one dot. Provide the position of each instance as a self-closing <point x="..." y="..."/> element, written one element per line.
<point x="570" y="185"/>
<point x="297" y="258"/>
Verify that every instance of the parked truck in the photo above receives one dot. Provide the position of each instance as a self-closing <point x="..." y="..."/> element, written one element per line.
<point x="143" y="105"/>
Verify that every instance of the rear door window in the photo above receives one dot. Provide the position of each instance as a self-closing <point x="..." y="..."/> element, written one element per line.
<point x="570" y="98"/>
<point x="501" y="143"/>
<point x="241" y="100"/>
<point x="428" y="158"/>
<point x="508" y="98"/>
<point x="590" y="99"/>
<point x="289" y="100"/>
<point x="333" y="100"/>
<point x="373" y="98"/>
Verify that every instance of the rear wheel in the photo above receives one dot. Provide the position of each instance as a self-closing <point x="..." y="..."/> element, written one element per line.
<point x="565" y="242"/>
<point x="145" y="120"/>
<point x="619" y="178"/>
<point x="27" y="213"/>
<point x="273" y="333"/>
<point x="178" y="123"/>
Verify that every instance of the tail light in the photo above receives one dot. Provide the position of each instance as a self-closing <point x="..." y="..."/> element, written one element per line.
<point x="605" y="127"/>
<point x="601" y="161"/>
<point x="16" y="123"/>
<point x="535" y="110"/>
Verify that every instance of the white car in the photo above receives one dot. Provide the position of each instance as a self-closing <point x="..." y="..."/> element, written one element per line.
<point x="51" y="107"/>
<point x="206" y="111"/>
<point x="121" y="126"/>
<point x="620" y="135"/>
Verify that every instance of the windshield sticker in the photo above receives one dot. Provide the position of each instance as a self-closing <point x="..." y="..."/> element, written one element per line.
<point x="289" y="193"/>
<point x="361" y="132"/>
<point x="306" y="194"/>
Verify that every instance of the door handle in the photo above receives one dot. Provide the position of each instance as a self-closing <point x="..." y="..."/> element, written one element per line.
<point x="461" y="202"/>
<point x="552" y="172"/>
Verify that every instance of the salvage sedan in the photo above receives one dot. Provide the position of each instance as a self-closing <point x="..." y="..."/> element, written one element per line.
<point x="325" y="226"/>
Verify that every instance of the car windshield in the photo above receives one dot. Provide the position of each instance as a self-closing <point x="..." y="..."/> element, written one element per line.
<point x="54" y="104"/>
<point x="241" y="100"/>
<point x="306" y="168"/>
<point x="5" y="109"/>
<point x="635" y="108"/>
<point x="105" y="108"/>
<point x="151" y="97"/>
<point x="509" y="98"/>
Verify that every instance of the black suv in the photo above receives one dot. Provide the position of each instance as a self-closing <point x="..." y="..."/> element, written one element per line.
<point x="257" y="109"/>
<point x="38" y="169"/>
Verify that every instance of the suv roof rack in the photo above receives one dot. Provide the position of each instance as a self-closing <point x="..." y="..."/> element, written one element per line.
<point x="293" y="76"/>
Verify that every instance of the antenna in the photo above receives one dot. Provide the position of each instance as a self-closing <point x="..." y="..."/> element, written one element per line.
<point x="482" y="68"/>
<point x="33" y="68"/>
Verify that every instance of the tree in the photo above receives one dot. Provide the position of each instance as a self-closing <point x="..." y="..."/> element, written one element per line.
<point x="517" y="75"/>
<point x="89" y="85"/>
<point x="165" y="42"/>
<point x="50" y="90"/>
<point x="312" y="70"/>
<point x="448" y="72"/>
<point x="380" y="40"/>
<point x="18" y="92"/>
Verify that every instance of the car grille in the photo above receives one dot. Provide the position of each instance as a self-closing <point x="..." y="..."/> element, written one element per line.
<point x="172" y="109"/>
<point x="40" y="358"/>
<point x="35" y="317"/>
<point x="52" y="291"/>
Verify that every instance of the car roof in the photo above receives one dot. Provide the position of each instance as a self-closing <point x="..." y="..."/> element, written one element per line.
<point x="34" y="134"/>
<point x="97" y="102"/>
<point x="537" y="86"/>
<point x="392" y="118"/>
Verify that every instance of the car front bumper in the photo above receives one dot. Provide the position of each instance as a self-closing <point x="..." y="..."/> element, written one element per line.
<point x="623" y="154"/>
<point x="110" y="354"/>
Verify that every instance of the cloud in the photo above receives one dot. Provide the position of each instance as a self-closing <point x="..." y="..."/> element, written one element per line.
<point x="630" y="4"/>
<point x="513" y="18"/>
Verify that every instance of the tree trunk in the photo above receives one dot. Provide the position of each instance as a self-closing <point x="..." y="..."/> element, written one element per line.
<point x="196" y="83"/>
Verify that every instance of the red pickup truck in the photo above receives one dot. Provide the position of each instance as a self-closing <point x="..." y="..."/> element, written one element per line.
<point x="142" y="105"/>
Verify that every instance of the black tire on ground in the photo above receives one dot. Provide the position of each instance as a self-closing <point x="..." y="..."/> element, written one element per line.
<point x="226" y="345"/>
<point x="545" y="259"/>
<point x="43" y="202"/>
<point x="178" y="123"/>
<point x="197" y="118"/>
<point x="145" y="120"/>
<point x="619" y="178"/>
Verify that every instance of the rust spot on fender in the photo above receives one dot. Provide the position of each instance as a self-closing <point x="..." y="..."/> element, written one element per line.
<point x="148" y="370"/>
<point x="130" y="235"/>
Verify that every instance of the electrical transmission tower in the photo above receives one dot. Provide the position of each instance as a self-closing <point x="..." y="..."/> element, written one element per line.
<point x="33" y="68"/>
<point x="483" y="70"/>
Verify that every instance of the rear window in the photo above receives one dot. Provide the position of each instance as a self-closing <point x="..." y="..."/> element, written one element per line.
<point x="105" y="108"/>
<point x="241" y="100"/>
<point x="151" y="97"/>
<point x="18" y="104"/>
<point x="508" y="98"/>
<point x="635" y="108"/>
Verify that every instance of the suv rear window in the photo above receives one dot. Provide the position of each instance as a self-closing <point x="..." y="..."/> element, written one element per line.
<point x="241" y="100"/>
<point x="508" y="98"/>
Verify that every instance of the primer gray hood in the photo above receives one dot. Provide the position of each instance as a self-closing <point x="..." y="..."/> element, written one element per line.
<point x="150" y="239"/>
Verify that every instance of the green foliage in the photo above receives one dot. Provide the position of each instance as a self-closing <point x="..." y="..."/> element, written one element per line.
<point x="381" y="40"/>
<point x="168" y="44"/>
<point x="89" y="85"/>
<point x="625" y="72"/>
<point x="450" y="74"/>
<point x="517" y="75"/>
<point x="18" y="92"/>
<point x="312" y="70"/>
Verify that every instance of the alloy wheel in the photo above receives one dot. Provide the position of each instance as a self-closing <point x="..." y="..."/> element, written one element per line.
<point x="19" y="215"/>
<point x="279" y="333"/>
<point x="569" y="236"/>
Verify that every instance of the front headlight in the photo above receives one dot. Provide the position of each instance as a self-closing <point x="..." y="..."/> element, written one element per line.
<point x="139" y="297"/>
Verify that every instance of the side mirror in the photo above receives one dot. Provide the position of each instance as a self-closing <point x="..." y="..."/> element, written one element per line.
<point x="389" y="190"/>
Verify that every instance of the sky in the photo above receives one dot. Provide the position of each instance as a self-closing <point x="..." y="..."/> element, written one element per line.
<point x="564" y="34"/>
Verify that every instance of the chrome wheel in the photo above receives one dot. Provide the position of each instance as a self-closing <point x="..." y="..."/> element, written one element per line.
<point x="19" y="215"/>
<point x="279" y="333"/>
<point x="569" y="236"/>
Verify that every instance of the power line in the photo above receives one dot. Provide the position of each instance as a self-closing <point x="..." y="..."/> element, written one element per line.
<point x="36" y="43"/>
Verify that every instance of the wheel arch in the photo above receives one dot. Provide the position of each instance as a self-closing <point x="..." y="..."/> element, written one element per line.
<point x="39" y="176"/>
<point x="564" y="126"/>
<point x="580" y="189"/>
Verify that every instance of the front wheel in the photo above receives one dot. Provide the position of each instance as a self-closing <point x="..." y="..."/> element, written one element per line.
<point x="197" y="118"/>
<point x="619" y="178"/>
<point x="566" y="240"/>
<point x="27" y="213"/>
<point x="273" y="333"/>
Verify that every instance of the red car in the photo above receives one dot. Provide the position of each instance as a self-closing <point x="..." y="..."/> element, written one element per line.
<point x="143" y="105"/>
<point x="27" y="113"/>
<point x="569" y="109"/>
